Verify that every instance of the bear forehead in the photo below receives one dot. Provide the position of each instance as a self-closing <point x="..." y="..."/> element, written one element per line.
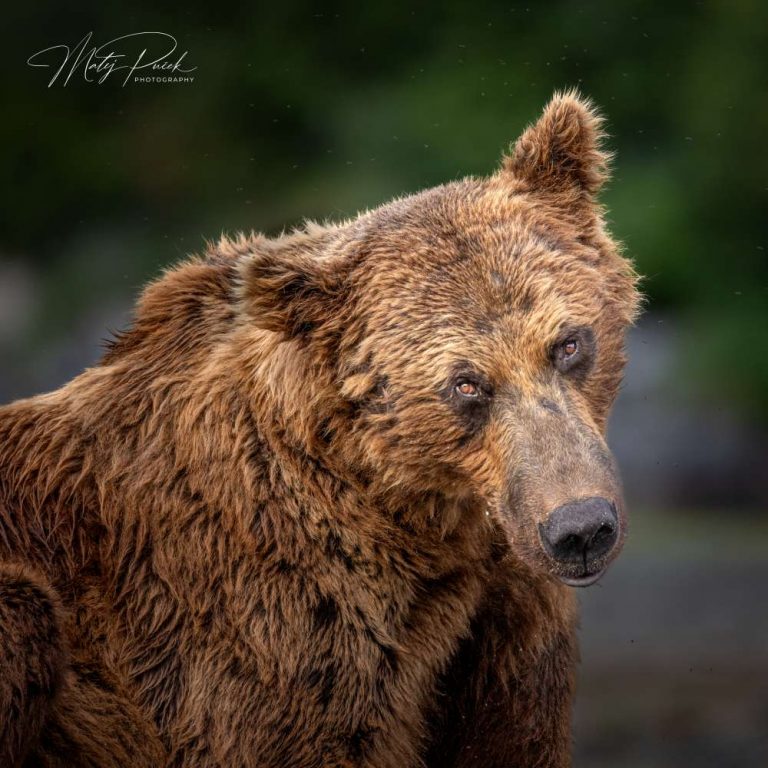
<point x="486" y="260"/>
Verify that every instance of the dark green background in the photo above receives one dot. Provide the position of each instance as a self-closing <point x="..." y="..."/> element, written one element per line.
<point x="302" y="110"/>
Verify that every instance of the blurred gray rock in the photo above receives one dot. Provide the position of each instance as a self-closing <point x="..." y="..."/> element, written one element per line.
<point x="675" y="450"/>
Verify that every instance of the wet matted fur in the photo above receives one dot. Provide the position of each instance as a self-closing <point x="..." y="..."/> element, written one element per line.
<point x="270" y="530"/>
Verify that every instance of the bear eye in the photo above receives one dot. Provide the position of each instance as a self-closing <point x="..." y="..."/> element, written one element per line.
<point x="570" y="348"/>
<point x="467" y="388"/>
<point x="574" y="353"/>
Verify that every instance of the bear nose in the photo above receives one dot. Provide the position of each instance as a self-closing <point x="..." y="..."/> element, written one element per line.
<point x="580" y="532"/>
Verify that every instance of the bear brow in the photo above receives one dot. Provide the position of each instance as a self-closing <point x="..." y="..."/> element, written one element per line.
<point x="548" y="240"/>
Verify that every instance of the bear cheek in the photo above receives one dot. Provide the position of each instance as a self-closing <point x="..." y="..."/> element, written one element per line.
<point x="484" y="460"/>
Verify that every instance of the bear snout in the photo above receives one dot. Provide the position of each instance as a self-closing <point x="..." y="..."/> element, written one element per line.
<point x="579" y="538"/>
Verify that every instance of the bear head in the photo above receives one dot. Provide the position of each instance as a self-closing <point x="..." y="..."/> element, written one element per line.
<point x="466" y="344"/>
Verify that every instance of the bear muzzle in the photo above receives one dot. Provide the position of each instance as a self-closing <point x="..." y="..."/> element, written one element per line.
<point x="579" y="538"/>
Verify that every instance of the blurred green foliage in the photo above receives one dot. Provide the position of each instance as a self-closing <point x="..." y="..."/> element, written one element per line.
<point x="302" y="109"/>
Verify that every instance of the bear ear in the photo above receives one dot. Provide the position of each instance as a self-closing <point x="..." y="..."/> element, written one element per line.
<point x="562" y="152"/>
<point x="289" y="286"/>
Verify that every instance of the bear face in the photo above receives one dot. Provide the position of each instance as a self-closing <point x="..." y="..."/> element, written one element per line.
<point x="468" y="343"/>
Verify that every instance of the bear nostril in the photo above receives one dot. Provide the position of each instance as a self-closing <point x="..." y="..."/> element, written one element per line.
<point x="572" y="545"/>
<point x="603" y="532"/>
<point x="580" y="532"/>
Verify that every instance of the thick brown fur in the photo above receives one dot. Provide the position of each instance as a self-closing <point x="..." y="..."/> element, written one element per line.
<point x="265" y="532"/>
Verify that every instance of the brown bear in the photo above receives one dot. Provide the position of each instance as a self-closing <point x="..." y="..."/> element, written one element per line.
<point x="324" y="502"/>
